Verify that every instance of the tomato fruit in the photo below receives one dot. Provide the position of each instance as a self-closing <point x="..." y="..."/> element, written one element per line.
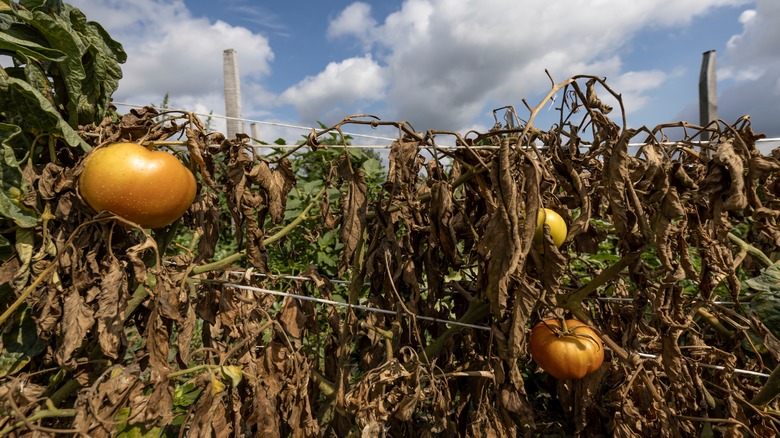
<point x="557" y="226"/>
<point x="150" y="188"/>
<point x="571" y="355"/>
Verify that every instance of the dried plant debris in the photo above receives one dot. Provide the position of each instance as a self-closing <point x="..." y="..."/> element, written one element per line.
<point x="109" y="330"/>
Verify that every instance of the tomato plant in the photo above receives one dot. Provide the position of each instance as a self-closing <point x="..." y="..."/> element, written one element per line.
<point x="150" y="188"/>
<point x="557" y="226"/>
<point x="566" y="354"/>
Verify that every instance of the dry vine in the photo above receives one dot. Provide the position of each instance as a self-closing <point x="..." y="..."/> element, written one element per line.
<point x="117" y="311"/>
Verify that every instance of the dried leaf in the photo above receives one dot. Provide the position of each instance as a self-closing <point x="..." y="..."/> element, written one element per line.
<point x="353" y="211"/>
<point x="77" y="319"/>
<point x="500" y="244"/>
<point x="276" y="183"/>
<point x="727" y="157"/>
<point x="110" y="313"/>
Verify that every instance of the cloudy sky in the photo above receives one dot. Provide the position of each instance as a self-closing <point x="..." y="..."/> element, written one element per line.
<point x="444" y="64"/>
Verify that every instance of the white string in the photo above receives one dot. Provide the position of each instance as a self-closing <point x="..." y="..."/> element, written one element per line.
<point x="379" y="146"/>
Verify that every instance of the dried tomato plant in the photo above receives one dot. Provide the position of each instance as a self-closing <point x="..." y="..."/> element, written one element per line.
<point x="112" y="330"/>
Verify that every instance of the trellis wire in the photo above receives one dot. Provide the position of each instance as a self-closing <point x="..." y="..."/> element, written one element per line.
<point x="345" y="282"/>
<point x="261" y="122"/>
<point x="351" y="306"/>
<point x="375" y="137"/>
<point x="425" y="318"/>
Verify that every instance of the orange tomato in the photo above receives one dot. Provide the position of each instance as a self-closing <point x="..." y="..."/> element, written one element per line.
<point x="566" y="356"/>
<point x="150" y="188"/>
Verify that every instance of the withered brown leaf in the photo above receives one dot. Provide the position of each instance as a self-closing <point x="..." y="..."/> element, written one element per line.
<point x="353" y="210"/>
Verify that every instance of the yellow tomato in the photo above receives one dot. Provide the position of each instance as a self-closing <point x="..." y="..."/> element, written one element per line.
<point x="557" y="226"/>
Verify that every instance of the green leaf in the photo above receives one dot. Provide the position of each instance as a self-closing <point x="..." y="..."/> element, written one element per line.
<point x="20" y="344"/>
<point x="767" y="281"/>
<point x="125" y="430"/>
<point x="766" y="302"/>
<point x="101" y="61"/>
<point x="185" y="395"/>
<point x="71" y="71"/>
<point x="25" y="248"/>
<point x="11" y="181"/>
<point x="15" y="38"/>
<point x="26" y="107"/>
<point x="233" y="373"/>
<point x="86" y="70"/>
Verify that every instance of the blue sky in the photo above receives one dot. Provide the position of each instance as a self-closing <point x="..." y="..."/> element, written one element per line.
<point x="444" y="64"/>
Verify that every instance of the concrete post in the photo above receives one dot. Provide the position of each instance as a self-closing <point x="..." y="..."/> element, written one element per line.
<point x="708" y="92"/>
<point x="232" y="92"/>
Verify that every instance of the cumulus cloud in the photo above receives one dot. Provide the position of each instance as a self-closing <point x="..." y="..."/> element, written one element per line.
<point x="171" y="51"/>
<point x="355" y="20"/>
<point x="447" y="59"/>
<point x="341" y="86"/>
<point x="752" y="62"/>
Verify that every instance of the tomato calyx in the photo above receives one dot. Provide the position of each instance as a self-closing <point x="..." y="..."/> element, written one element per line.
<point x="563" y="331"/>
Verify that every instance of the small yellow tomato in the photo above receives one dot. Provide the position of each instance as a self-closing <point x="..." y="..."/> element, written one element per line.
<point x="557" y="226"/>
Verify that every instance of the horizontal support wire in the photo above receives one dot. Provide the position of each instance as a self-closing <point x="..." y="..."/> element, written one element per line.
<point x="375" y="137"/>
<point x="706" y="365"/>
<point x="344" y="282"/>
<point x="259" y="122"/>
<point x="347" y="305"/>
<point x="422" y="318"/>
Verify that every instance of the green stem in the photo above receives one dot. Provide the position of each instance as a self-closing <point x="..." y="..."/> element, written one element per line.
<point x="770" y="390"/>
<point x="65" y="391"/>
<point x="233" y="258"/>
<point x="752" y="250"/>
<point x="714" y="322"/>
<point x="477" y="310"/>
<point x="219" y="264"/>
<point x="564" y="326"/>
<point x="40" y="415"/>
<point x="573" y="300"/>
<point x="326" y="387"/>
<point x="195" y="369"/>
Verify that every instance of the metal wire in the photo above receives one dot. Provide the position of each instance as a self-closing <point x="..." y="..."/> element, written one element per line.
<point x="376" y="137"/>
<point x="351" y="306"/>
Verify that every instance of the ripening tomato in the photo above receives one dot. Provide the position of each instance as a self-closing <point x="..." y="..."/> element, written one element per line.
<point x="571" y="355"/>
<point x="150" y="188"/>
<point x="557" y="226"/>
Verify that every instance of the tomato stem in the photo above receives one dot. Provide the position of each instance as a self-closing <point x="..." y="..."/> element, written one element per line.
<point x="233" y="258"/>
<point x="564" y="327"/>
<point x="574" y="299"/>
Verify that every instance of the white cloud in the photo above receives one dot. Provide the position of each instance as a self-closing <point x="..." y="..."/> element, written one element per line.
<point x="446" y="59"/>
<point x="758" y="42"/>
<point x="747" y="16"/>
<point x="355" y="20"/>
<point x="171" y="51"/>
<point x="752" y="59"/>
<point x="338" y="88"/>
